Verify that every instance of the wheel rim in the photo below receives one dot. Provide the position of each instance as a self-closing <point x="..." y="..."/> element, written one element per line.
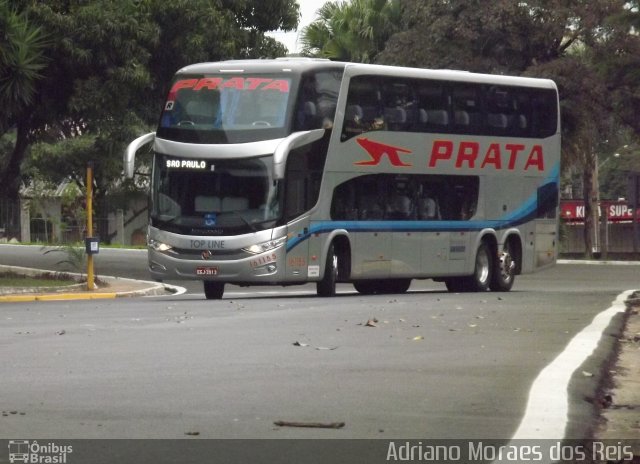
<point x="507" y="266"/>
<point x="334" y="266"/>
<point x="482" y="266"/>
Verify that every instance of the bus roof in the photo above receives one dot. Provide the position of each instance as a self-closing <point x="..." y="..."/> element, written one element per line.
<point x="448" y="75"/>
<point x="295" y="65"/>
<point x="299" y="65"/>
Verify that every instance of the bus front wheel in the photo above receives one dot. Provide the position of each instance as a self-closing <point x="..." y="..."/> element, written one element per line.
<point x="213" y="290"/>
<point x="327" y="286"/>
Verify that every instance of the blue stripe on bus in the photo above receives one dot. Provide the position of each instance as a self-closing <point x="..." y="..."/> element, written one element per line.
<point x="523" y="214"/>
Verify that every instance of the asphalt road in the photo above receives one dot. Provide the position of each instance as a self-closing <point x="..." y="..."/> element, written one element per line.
<point x="435" y="364"/>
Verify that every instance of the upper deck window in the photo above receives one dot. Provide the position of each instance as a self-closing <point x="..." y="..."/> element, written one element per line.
<point x="226" y="108"/>
<point x="397" y="103"/>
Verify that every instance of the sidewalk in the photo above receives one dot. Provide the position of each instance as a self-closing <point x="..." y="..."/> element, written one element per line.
<point x="107" y="287"/>
<point x="620" y="414"/>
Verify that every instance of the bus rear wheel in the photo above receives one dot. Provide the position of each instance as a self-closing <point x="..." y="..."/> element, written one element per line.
<point x="504" y="272"/>
<point x="481" y="278"/>
<point x="366" y="287"/>
<point x="213" y="290"/>
<point x="395" y="285"/>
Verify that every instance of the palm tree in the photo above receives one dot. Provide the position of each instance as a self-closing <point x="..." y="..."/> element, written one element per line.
<point x="22" y="59"/>
<point x="355" y="31"/>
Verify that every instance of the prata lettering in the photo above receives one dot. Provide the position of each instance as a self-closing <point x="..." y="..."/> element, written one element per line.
<point x="498" y="156"/>
<point x="207" y="244"/>
<point x="238" y="83"/>
<point x="465" y="154"/>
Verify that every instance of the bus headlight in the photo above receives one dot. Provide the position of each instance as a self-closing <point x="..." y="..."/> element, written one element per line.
<point x="265" y="246"/>
<point x="159" y="246"/>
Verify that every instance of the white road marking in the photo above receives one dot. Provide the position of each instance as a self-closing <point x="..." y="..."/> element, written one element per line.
<point x="546" y="416"/>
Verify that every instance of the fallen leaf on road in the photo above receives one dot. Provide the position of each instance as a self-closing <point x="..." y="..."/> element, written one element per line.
<point x="371" y="323"/>
<point x="419" y="337"/>
<point x="62" y="332"/>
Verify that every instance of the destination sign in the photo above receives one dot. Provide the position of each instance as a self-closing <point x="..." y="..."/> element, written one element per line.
<point x="187" y="164"/>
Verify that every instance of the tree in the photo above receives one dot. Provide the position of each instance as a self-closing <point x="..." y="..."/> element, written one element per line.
<point x="106" y="68"/>
<point x="355" y="31"/>
<point x="22" y="60"/>
<point x="559" y="39"/>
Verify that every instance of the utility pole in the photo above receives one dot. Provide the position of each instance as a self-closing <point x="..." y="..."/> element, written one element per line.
<point x="89" y="240"/>
<point x="90" y="278"/>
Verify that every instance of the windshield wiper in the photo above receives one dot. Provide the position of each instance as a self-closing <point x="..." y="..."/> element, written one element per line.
<point x="244" y="219"/>
<point x="169" y="221"/>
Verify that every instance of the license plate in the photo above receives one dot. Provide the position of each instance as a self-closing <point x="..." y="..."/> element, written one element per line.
<point x="207" y="271"/>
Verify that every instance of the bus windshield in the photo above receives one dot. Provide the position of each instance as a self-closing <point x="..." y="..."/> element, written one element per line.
<point x="221" y="197"/>
<point x="226" y="108"/>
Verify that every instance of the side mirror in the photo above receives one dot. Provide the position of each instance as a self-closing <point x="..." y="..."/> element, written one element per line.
<point x="130" y="153"/>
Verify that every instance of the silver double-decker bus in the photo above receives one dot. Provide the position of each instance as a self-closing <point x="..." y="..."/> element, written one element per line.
<point x="288" y="171"/>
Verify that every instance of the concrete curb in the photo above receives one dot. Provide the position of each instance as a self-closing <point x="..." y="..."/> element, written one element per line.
<point x="594" y="262"/>
<point x="146" y="288"/>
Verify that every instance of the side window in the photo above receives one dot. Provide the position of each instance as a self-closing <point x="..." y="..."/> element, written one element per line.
<point x="364" y="111"/>
<point x="544" y="112"/>
<point x="433" y="107"/>
<point x="467" y="116"/>
<point x="499" y="106"/>
<point x="547" y="201"/>
<point x="400" y="104"/>
<point x="406" y="197"/>
<point x="316" y="106"/>
<point x="521" y="120"/>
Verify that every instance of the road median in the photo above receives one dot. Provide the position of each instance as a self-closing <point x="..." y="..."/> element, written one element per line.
<point x="107" y="287"/>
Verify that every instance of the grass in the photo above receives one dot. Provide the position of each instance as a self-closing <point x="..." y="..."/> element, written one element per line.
<point x="81" y="245"/>
<point x="11" y="279"/>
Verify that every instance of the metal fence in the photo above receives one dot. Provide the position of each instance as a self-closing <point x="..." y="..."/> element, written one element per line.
<point x="9" y="218"/>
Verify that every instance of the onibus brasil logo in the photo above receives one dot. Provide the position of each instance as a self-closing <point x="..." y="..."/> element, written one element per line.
<point x="33" y="452"/>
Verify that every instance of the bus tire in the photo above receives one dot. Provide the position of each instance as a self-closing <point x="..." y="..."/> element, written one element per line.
<point x="455" y="284"/>
<point x="395" y="285"/>
<point x="504" y="272"/>
<point x="213" y="290"/>
<point x="379" y="287"/>
<point x="327" y="286"/>
<point x="366" y="287"/>
<point x="481" y="278"/>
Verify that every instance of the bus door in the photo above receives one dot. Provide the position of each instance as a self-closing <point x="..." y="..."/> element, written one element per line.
<point x="298" y="265"/>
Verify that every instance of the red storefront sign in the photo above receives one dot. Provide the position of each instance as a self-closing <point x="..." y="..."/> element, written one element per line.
<point x="614" y="211"/>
